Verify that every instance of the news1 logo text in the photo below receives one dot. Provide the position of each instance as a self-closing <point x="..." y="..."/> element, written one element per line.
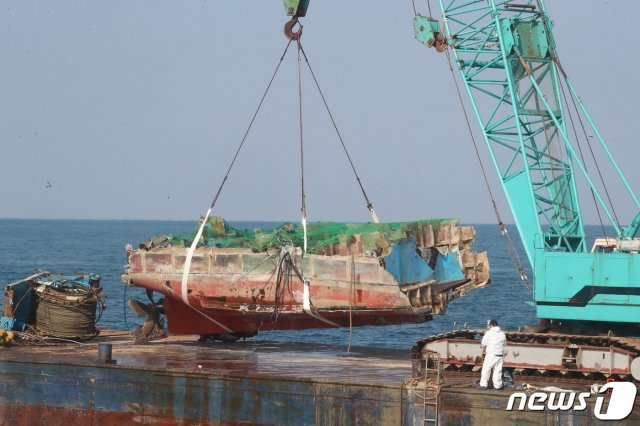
<point x="620" y="395"/>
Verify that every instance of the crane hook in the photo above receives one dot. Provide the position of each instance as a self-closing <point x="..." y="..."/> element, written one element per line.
<point x="288" y="29"/>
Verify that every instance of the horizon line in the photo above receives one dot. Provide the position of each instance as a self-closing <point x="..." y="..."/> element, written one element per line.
<point x="245" y="220"/>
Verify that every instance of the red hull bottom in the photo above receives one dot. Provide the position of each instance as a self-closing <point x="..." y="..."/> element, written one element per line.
<point x="185" y="320"/>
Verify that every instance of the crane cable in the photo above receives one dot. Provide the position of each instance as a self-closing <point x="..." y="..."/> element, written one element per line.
<point x="187" y="262"/>
<point x="513" y="253"/>
<point x="586" y="137"/>
<point x="253" y="119"/>
<point x="575" y="132"/>
<point x="415" y="10"/>
<point x="303" y="206"/>
<point x="352" y="291"/>
<point x="562" y="205"/>
<point x="374" y="216"/>
<point x="556" y="60"/>
<point x="301" y="54"/>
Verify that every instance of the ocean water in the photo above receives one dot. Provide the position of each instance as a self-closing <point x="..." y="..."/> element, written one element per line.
<point x="98" y="246"/>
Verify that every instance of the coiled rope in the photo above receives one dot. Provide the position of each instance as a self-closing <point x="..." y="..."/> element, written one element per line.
<point x="69" y="315"/>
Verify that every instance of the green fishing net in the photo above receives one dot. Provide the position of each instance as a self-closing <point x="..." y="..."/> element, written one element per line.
<point x="320" y="235"/>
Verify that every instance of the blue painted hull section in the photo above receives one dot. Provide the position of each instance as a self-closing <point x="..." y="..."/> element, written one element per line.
<point x="408" y="267"/>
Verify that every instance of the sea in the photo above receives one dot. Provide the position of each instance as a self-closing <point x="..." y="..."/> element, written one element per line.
<point x="98" y="246"/>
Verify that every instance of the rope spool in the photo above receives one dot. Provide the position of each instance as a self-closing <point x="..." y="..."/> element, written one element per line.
<point x="68" y="313"/>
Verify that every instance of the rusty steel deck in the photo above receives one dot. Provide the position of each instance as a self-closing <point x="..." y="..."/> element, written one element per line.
<point x="182" y="381"/>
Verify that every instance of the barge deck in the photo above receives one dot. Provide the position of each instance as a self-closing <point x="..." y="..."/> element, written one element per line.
<point x="179" y="380"/>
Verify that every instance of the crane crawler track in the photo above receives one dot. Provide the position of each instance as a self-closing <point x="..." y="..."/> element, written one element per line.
<point x="563" y="356"/>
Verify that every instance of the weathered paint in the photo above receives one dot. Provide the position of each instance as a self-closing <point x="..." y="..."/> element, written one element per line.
<point x="406" y="265"/>
<point x="541" y="353"/>
<point x="448" y="268"/>
<point x="237" y="287"/>
<point x="184" y="320"/>
<point x="182" y="382"/>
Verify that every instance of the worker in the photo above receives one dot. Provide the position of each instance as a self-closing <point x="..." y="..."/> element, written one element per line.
<point x="494" y="342"/>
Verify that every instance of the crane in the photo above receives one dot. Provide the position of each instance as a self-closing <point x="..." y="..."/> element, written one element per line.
<point x="529" y="113"/>
<point x="537" y="130"/>
<point x="506" y="56"/>
<point x="507" y="59"/>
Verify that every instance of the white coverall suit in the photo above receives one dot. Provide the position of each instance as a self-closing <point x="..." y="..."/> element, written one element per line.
<point x="495" y="341"/>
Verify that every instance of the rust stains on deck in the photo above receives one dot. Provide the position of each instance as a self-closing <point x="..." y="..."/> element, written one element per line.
<point x="181" y="381"/>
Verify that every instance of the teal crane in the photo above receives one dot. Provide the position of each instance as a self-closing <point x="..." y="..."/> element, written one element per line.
<point x="521" y="96"/>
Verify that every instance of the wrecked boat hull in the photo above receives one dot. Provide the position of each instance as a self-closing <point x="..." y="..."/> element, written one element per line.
<point x="184" y="320"/>
<point x="234" y="290"/>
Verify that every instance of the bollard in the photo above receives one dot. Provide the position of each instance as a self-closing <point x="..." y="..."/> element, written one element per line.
<point x="105" y="353"/>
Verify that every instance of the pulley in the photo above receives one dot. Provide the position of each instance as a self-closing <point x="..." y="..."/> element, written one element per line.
<point x="428" y="31"/>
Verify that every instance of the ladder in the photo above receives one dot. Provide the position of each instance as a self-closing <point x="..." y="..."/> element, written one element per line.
<point x="432" y="384"/>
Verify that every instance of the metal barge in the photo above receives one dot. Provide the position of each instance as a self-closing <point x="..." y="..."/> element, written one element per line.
<point x="181" y="381"/>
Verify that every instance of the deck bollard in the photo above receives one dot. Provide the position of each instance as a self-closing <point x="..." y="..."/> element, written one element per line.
<point x="105" y="353"/>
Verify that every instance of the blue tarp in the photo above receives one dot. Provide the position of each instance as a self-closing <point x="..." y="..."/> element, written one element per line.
<point x="406" y="265"/>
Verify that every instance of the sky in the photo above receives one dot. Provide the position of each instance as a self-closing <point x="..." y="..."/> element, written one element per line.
<point x="127" y="109"/>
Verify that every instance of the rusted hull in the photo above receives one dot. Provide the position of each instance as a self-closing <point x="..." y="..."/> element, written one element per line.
<point x="184" y="320"/>
<point x="234" y="290"/>
<point x="321" y="406"/>
<point x="182" y="382"/>
<point x="18" y="414"/>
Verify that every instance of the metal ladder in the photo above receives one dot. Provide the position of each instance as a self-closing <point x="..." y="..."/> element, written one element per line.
<point x="432" y="383"/>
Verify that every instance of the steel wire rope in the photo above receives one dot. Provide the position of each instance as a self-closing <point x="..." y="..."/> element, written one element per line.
<point x="352" y="290"/>
<point x="187" y="263"/>
<point x="415" y="10"/>
<point x="562" y="205"/>
<point x="548" y="140"/>
<point x="575" y="132"/>
<point x="513" y="253"/>
<point x="252" y="346"/>
<point x="51" y="320"/>
<point x="246" y="133"/>
<point x="556" y="58"/>
<point x="595" y="160"/>
<point x="124" y="305"/>
<point x="303" y="205"/>
<point x="282" y="283"/>
<point x="277" y="272"/>
<point x="271" y="256"/>
<point x="57" y="317"/>
<point x="344" y="146"/>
